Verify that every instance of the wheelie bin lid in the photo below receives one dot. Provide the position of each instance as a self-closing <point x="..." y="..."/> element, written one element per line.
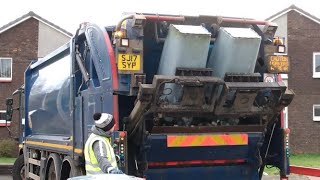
<point x="106" y="177"/>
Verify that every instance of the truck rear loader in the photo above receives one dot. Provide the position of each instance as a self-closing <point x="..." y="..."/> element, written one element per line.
<point x="187" y="94"/>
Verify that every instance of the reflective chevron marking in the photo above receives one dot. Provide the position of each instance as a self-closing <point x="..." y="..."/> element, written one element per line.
<point x="207" y="140"/>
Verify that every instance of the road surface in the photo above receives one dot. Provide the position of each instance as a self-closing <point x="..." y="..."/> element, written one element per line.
<point x="291" y="177"/>
<point x="5" y="177"/>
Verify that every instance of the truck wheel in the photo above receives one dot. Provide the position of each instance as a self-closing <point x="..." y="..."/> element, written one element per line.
<point x="70" y="169"/>
<point x="18" y="169"/>
<point x="52" y="172"/>
<point x="53" y="168"/>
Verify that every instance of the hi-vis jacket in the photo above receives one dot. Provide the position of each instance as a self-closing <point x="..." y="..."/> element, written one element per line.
<point x="98" y="152"/>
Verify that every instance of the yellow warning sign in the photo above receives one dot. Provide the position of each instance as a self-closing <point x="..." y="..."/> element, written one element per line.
<point x="278" y="64"/>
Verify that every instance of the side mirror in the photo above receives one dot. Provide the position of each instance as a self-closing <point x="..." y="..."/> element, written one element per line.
<point x="9" y="102"/>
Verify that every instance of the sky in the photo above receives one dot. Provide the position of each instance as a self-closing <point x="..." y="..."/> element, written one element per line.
<point x="68" y="14"/>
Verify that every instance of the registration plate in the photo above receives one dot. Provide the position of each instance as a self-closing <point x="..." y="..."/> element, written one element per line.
<point x="278" y="64"/>
<point x="129" y="62"/>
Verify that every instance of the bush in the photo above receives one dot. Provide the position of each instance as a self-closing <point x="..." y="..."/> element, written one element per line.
<point x="7" y="147"/>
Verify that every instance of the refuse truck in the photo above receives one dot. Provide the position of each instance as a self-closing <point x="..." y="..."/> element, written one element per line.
<point x="187" y="93"/>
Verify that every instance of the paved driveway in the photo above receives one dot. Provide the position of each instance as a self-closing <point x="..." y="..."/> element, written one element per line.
<point x="5" y="177"/>
<point x="291" y="177"/>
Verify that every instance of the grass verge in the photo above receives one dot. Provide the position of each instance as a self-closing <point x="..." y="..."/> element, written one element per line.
<point x="7" y="160"/>
<point x="306" y="160"/>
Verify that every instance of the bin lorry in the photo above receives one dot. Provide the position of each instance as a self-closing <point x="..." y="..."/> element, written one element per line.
<point x="187" y="94"/>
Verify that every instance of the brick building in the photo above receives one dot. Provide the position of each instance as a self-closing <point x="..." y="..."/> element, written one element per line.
<point x="22" y="40"/>
<point x="301" y="34"/>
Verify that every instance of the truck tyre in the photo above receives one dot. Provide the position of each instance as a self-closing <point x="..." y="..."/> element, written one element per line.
<point x="52" y="175"/>
<point x="53" y="168"/>
<point x="70" y="169"/>
<point x="18" y="169"/>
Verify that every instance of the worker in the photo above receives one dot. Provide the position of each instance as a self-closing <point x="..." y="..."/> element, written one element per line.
<point x="99" y="154"/>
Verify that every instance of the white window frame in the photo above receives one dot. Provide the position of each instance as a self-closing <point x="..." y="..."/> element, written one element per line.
<point x="3" y="121"/>
<point x="7" y="79"/>
<point x="316" y="118"/>
<point x="315" y="74"/>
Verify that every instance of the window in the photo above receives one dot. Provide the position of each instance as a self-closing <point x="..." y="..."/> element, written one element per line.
<point x="5" y="69"/>
<point x="3" y="119"/>
<point x="316" y="112"/>
<point x="316" y="65"/>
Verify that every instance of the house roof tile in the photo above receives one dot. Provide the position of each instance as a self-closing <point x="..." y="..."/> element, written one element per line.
<point x="29" y="15"/>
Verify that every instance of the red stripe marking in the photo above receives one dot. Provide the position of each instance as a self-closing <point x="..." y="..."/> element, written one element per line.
<point x="305" y="171"/>
<point x="114" y="79"/>
<point x="196" y="162"/>
<point x="244" y="138"/>
<point x="112" y="62"/>
<point x="170" y="140"/>
<point x="164" y="18"/>
<point x="187" y="140"/>
<point x="213" y="141"/>
<point x="228" y="140"/>
<point x="115" y="111"/>
<point x="208" y="141"/>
